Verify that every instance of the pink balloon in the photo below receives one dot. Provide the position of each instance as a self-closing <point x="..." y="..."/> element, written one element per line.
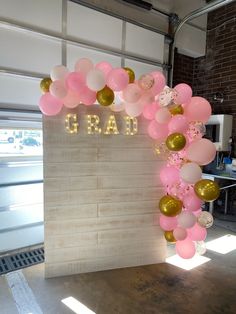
<point x="169" y="175"/>
<point x="184" y="93"/>
<point x="117" y="79"/>
<point x="201" y="151"/>
<point x="185" y="249"/>
<point x="159" y="82"/>
<point x="146" y="98"/>
<point x="87" y="96"/>
<point x="192" y="202"/>
<point x="191" y="172"/>
<point x="83" y="65"/>
<point x="167" y="223"/>
<point x="163" y="115"/>
<point x="186" y="219"/>
<point x="157" y="131"/>
<point x="178" y="123"/>
<point x="50" y="105"/>
<point x="197" y="233"/>
<point x="133" y="109"/>
<point x="105" y="67"/>
<point x="58" y="89"/>
<point x="71" y="100"/>
<point x="180" y="233"/>
<point x="75" y="81"/>
<point x="150" y="110"/>
<point x="132" y="93"/>
<point x="198" y="109"/>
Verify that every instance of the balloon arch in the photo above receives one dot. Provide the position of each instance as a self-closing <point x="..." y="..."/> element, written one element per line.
<point x="176" y="124"/>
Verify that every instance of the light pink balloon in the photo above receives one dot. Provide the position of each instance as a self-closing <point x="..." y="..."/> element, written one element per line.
<point x="159" y="82"/>
<point x="185" y="249"/>
<point x="58" y="89"/>
<point x="75" y="81"/>
<point x="169" y="175"/>
<point x="157" y="131"/>
<point x="186" y="219"/>
<point x="95" y="80"/>
<point x="132" y="93"/>
<point x="178" y="123"/>
<point x="71" y="100"/>
<point x="150" y="110"/>
<point x="87" y="96"/>
<point x="168" y="223"/>
<point x="146" y="98"/>
<point x="133" y="109"/>
<point x="191" y="172"/>
<point x="59" y="72"/>
<point x="163" y="115"/>
<point x="201" y="151"/>
<point x="50" y="105"/>
<point x="83" y="65"/>
<point x="198" y="109"/>
<point x="192" y="202"/>
<point x="117" y="79"/>
<point x="197" y="233"/>
<point x="180" y="233"/>
<point x="105" y="67"/>
<point x="184" y="93"/>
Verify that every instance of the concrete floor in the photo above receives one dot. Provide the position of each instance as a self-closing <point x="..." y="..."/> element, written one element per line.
<point x="160" y="289"/>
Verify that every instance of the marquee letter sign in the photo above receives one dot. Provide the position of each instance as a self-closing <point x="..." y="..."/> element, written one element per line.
<point x="176" y="124"/>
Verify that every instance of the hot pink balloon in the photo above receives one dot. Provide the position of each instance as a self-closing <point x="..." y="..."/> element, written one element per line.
<point x="157" y="131"/>
<point x="84" y="65"/>
<point x="58" y="89"/>
<point x="192" y="202"/>
<point x="105" y="67"/>
<point x="168" y="223"/>
<point x="184" y="93"/>
<point x="163" y="115"/>
<point x="198" y="109"/>
<point x="178" y="123"/>
<point x="117" y="79"/>
<point x="201" y="151"/>
<point x="132" y="93"/>
<point x="87" y="96"/>
<point x="75" y="81"/>
<point x="197" y="233"/>
<point x="169" y="175"/>
<point x="71" y="100"/>
<point x="159" y="82"/>
<point x="180" y="233"/>
<point x="50" y="105"/>
<point x="150" y="110"/>
<point x="133" y="110"/>
<point x="185" y="249"/>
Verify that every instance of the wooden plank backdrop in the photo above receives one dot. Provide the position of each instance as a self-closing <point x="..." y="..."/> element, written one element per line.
<point x="101" y="194"/>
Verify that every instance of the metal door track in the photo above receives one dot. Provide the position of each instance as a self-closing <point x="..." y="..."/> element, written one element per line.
<point x="21" y="260"/>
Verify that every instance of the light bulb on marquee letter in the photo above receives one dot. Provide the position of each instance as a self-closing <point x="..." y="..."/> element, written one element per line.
<point x="71" y="123"/>
<point x="131" y="125"/>
<point x="111" y="127"/>
<point x="93" y="122"/>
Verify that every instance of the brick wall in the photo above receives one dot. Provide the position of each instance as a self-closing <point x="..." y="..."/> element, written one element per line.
<point x="215" y="72"/>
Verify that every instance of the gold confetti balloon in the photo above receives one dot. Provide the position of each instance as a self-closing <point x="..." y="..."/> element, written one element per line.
<point x="207" y="190"/>
<point x="177" y="109"/>
<point x="205" y="219"/>
<point x="170" y="206"/>
<point x="169" y="236"/>
<point x="175" y="141"/>
<point x="45" y="84"/>
<point x="131" y="74"/>
<point x="105" y="96"/>
<point x="146" y="81"/>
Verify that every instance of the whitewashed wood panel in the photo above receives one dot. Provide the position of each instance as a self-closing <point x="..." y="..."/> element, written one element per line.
<point x="59" y="212"/>
<point x="71" y="183"/>
<point x="72" y="154"/>
<point x="134" y="181"/>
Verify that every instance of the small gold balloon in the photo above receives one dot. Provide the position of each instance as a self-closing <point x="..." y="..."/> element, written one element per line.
<point x="170" y="206"/>
<point x="105" y="96"/>
<point x="131" y="74"/>
<point x="176" y="110"/>
<point x="207" y="190"/>
<point x="45" y="84"/>
<point x="175" y="141"/>
<point x="169" y="236"/>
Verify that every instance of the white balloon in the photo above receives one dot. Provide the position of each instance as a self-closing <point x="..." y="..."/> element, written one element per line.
<point x="59" y="72"/>
<point x="190" y="172"/>
<point x="95" y="80"/>
<point x="186" y="219"/>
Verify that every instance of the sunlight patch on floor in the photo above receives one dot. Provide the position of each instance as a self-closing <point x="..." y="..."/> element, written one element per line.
<point x="76" y="306"/>
<point x="222" y="245"/>
<point x="187" y="264"/>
